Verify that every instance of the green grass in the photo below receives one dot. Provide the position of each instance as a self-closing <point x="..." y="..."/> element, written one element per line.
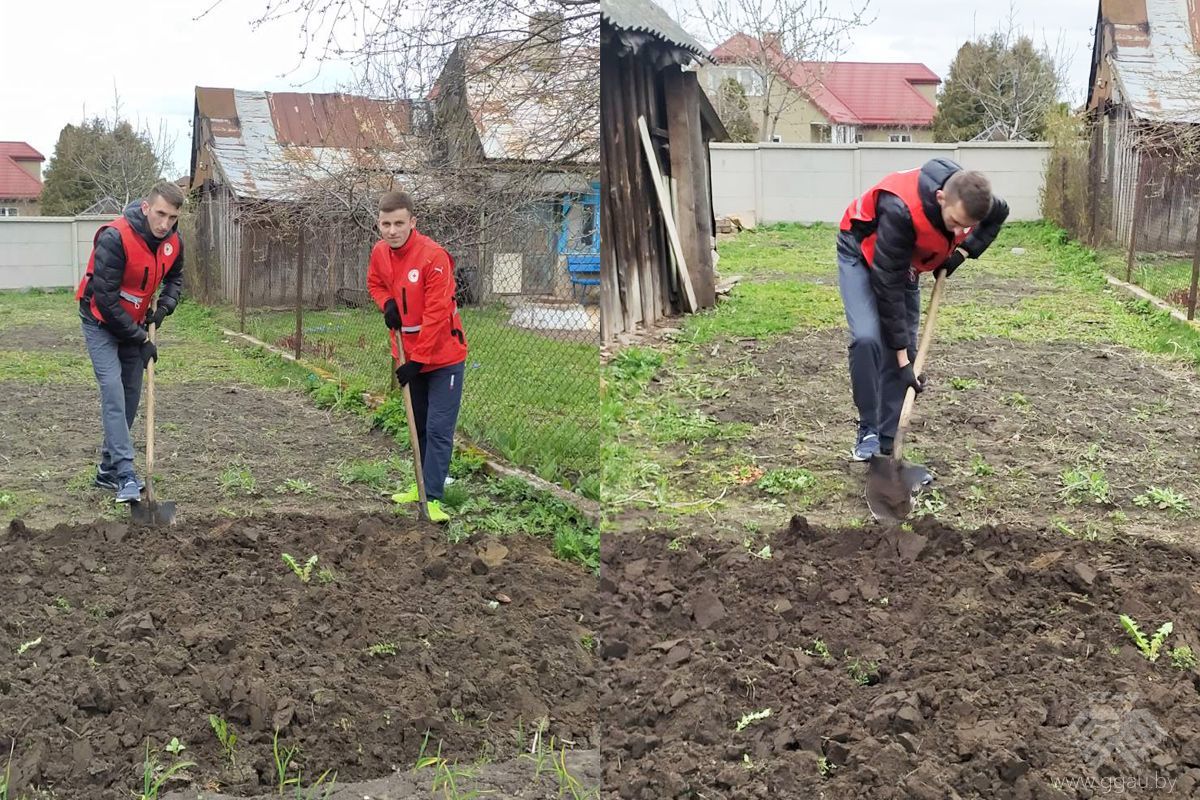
<point x="529" y="396"/>
<point x="778" y="250"/>
<point x="761" y="310"/>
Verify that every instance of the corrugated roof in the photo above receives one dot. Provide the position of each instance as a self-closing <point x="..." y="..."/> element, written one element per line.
<point x="15" y="182"/>
<point x="270" y="146"/>
<point x="1154" y="57"/>
<point x="648" y="17"/>
<point x="848" y="92"/>
<point x="525" y="112"/>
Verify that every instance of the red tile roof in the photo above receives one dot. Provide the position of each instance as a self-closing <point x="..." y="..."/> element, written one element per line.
<point x="15" y="182"/>
<point x="849" y="92"/>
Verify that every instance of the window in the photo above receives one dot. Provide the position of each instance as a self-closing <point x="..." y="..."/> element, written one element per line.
<point x="845" y="134"/>
<point x="821" y="133"/>
<point x="776" y="138"/>
<point x="8" y="211"/>
<point x="899" y="137"/>
<point x="748" y="77"/>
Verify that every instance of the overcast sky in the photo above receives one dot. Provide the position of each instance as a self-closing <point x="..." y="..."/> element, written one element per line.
<point x="60" y="58"/>
<point x="155" y="54"/>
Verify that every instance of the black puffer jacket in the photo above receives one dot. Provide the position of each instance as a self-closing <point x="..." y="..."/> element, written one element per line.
<point x="894" y="240"/>
<point x="109" y="271"/>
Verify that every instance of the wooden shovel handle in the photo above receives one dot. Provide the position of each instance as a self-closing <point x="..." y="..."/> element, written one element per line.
<point x="910" y="395"/>
<point x="422" y="507"/>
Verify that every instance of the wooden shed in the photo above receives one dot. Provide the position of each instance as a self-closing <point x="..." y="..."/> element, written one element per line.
<point x="647" y="69"/>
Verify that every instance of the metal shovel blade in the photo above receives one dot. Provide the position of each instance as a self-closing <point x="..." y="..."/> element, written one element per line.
<point x="892" y="484"/>
<point x="153" y="512"/>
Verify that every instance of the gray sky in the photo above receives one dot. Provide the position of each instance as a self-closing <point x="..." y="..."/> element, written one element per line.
<point x="931" y="31"/>
<point x="155" y="54"/>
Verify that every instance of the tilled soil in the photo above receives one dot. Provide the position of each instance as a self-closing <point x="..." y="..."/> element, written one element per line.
<point x="928" y="664"/>
<point x="115" y="637"/>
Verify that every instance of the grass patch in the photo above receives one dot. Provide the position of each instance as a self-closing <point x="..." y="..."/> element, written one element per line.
<point x="782" y="249"/>
<point x="761" y="310"/>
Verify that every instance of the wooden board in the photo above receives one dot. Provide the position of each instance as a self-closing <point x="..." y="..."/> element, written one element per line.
<point x="664" y="205"/>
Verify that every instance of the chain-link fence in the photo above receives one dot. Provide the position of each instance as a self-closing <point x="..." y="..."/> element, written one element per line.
<point x="526" y="289"/>
<point x="1136" y="198"/>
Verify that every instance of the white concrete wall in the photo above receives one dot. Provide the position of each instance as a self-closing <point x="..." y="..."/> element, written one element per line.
<point x="45" y="252"/>
<point x="815" y="182"/>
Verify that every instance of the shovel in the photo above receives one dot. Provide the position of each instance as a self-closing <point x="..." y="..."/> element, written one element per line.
<point x="422" y="504"/>
<point x="150" y="511"/>
<point x="891" y="481"/>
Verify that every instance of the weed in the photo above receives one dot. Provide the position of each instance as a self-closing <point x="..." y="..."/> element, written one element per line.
<point x="375" y="474"/>
<point x="963" y="384"/>
<point x="175" y="747"/>
<point x="864" y="673"/>
<point x="296" y="486"/>
<point x="588" y="642"/>
<point x="1182" y="657"/>
<point x="448" y="777"/>
<point x="225" y="736"/>
<point x="787" y="480"/>
<point x="1081" y="484"/>
<point x="929" y="504"/>
<point x="1163" y="500"/>
<point x="825" y="767"/>
<point x="382" y="649"/>
<point x="1017" y="401"/>
<point x="283" y="762"/>
<point x="820" y="649"/>
<point x="749" y="719"/>
<point x="980" y="467"/>
<point x="62" y="604"/>
<point x="1149" y="648"/>
<point x="156" y="775"/>
<point x="237" y="479"/>
<point x="26" y="645"/>
<point x="303" y="573"/>
<point x="7" y="500"/>
<point x="326" y="575"/>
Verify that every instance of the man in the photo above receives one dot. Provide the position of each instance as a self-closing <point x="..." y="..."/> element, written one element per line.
<point x="919" y="220"/>
<point x="131" y="258"/>
<point x="411" y="278"/>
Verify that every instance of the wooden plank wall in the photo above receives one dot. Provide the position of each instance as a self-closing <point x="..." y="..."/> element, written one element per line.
<point x="638" y="283"/>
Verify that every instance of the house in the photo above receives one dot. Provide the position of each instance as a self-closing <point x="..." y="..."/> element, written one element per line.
<point x="643" y="81"/>
<point x="838" y="101"/>
<point x="267" y="165"/>
<point x="20" y="179"/>
<point x="520" y="116"/>
<point x="1144" y="100"/>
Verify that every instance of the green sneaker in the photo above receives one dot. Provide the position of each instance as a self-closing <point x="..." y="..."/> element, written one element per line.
<point x="436" y="514"/>
<point x="408" y="496"/>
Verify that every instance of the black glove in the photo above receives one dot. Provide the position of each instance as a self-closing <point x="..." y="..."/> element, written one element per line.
<point x="149" y="353"/>
<point x="909" y="378"/>
<point x="953" y="262"/>
<point x="391" y="315"/>
<point x="407" y="371"/>
<point x="161" y="312"/>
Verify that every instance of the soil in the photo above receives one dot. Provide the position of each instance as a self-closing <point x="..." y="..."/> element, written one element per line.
<point x="997" y="459"/>
<point x="992" y="665"/>
<point x="50" y="437"/>
<point x="142" y="633"/>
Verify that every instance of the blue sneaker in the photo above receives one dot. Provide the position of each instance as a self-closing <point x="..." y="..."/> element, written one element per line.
<point x="130" y="491"/>
<point x="866" y="446"/>
<point x="109" y="481"/>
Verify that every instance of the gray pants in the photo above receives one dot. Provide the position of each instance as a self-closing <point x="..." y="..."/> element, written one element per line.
<point x="436" y="398"/>
<point x="119" y="370"/>
<point x="874" y="374"/>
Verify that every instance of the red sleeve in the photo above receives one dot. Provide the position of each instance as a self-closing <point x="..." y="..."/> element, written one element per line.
<point x="379" y="282"/>
<point x="439" y="307"/>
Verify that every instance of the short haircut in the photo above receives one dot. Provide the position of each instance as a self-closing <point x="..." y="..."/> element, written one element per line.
<point x="167" y="191"/>
<point x="394" y="201"/>
<point x="973" y="189"/>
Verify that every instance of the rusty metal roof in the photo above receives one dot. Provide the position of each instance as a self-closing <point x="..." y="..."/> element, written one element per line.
<point x="646" y="16"/>
<point x="1154" y="57"/>
<point x="270" y="145"/>
<point x="528" y="112"/>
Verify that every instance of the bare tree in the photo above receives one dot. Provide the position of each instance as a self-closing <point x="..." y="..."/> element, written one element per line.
<point x="785" y="45"/>
<point x="128" y="159"/>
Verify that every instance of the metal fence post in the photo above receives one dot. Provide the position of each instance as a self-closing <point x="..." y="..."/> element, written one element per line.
<point x="1191" y="310"/>
<point x="1138" y="190"/>
<point x="299" y="293"/>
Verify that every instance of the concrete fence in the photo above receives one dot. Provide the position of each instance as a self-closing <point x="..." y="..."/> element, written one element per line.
<point x="815" y="182"/>
<point x="45" y="252"/>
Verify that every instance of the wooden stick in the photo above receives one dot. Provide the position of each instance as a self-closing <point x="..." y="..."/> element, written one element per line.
<point x="910" y="395"/>
<point x="664" y="205"/>
<point x="422" y="507"/>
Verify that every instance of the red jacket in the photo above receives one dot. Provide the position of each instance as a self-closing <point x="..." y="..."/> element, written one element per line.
<point x="144" y="271"/>
<point x="419" y="276"/>
<point x="932" y="246"/>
